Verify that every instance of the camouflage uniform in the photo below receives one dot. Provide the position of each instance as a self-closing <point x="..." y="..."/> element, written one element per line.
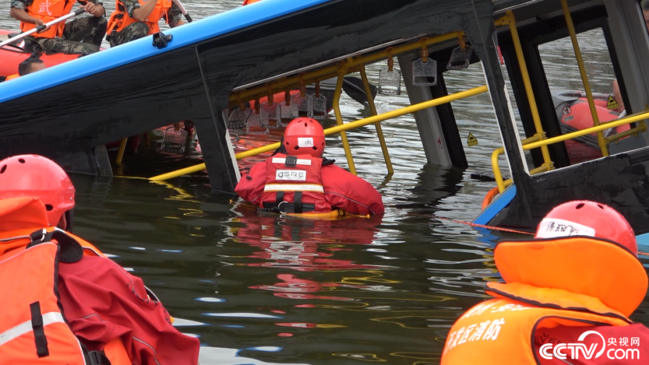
<point x="139" y="29"/>
<point x="82" y="35"/>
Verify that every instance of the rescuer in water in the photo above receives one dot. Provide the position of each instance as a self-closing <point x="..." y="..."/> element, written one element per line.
<point x="566" y="298"/>
<point x="296" y="179"/>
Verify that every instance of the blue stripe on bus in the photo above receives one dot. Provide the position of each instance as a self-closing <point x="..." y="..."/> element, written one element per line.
<point x="496" y="206"/>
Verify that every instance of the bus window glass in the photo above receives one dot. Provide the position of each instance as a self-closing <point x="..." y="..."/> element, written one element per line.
<point x="569" y="96"/>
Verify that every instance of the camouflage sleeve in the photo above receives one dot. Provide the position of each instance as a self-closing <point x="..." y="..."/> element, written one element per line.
<point x="129" y="6"/>
<point x="21" y="4"/>
<point x="174" y="15"/>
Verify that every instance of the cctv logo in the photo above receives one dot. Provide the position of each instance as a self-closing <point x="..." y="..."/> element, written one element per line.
<point x="573" y="351"/>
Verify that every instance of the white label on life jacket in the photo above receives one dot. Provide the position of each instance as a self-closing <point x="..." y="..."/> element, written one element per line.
<point x="300" y="161"/>
<point x="553" y="227"/>
<point x="305" y="142"/>
<point x="294" y="187"/>
<point x="290" y="175"/>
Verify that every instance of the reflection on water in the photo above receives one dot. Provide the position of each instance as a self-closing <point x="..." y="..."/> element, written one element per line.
<point x="265" y="289"/>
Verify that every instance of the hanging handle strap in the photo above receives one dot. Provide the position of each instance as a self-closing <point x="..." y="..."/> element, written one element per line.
<point x="70" y="249"/>
<point x="39" y="330"/>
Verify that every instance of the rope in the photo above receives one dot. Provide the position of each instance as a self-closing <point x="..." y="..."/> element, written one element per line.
<point x="484" y="226"/>
<point x="503" y="229"/>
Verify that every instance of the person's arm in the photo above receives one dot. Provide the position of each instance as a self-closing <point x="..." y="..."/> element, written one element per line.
<point x="19" y="13"/>
<point x="94" y="7"/>
<point x="350" y="193"/>
<point x="137" y="11"/>
<point x="251" y="186"/>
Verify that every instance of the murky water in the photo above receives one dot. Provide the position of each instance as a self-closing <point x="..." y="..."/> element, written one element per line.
<point x="262" y="289"/>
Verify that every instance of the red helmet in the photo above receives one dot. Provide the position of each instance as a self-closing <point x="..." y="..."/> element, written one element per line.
<point x="304" y="136"/>
<point x="38" y="177"/>
<point x="587" y="218"/>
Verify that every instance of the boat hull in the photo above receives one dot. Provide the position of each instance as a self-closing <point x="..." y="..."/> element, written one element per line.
<point x="11" y="57"/>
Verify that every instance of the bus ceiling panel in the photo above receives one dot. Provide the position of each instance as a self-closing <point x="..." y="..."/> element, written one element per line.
<point x="320" y="37"/>
<point x="324" y="63"/>
<point x="438" y="51"/>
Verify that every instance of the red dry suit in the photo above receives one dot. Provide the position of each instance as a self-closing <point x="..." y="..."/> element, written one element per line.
<point x="102" y="301"/>
<point x="342" y="190"/>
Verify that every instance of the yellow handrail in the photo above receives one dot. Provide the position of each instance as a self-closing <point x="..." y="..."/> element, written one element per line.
<point x="626" y="120"/>
<point x="564" y="137"/>
<point x="496" y="168"/>
<point x="379" y="129"/>
<point x="641" y="128"/>
<point x="510" y="20"/>
<point x="120" y="152"/>
<point x="537" y="170"/>
<point x="339" y="119"/>
<point x="584" y="76"/>
<point x="340" y="128"/>
<point x="499" y="151"/>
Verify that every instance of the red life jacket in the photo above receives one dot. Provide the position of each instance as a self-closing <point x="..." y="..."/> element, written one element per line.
<point x="294" y="185"/>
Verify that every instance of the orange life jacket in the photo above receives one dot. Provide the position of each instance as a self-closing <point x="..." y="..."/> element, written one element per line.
<point x="30" y="251"/>
<point x="119" y="19"/>
<point x="32" y="327"/>
<point x="248" y="2"/>
<point x="569" y="281"/>
<point x="11" y="77"/>
<point x="502" y="330"/>
<point x="589" y="266"/>
<point x="294" y="185"/>
<point x="48" y="10"/>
